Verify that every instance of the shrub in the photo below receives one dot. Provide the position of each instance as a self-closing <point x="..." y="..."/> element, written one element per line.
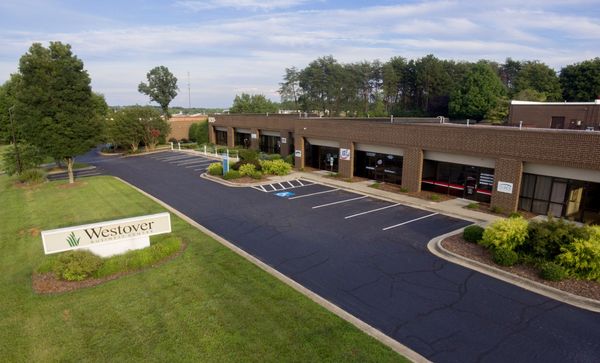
<point x="546" y="238"/>
<point x="264" y="156"/>
<point x="515" y="215"/>
<point x="32" y="176"/>
<point x="248" y="154"/>
<point x="276" y="167"/>
<point x="76" y="265"/>
<point x="473" y="206"/>
<point x="375" y="185"/>
<point x="505" y="257"/>
<point x="215" y="169"/>
<point x="256" y="175"/>
<point x="193" y="131"/>
<point x="256" y="164"/>
<point x="137" y="259"/>
<point x="496" y="209"/>
<point x="552" y="271"/>
<point x="403" y="190"/>
<point x="582" y="258"/>
<point x="507" y="233"/>
<point x="473" y="233"/>
<point x="290" y="159"/>
<point x="434" y="197"/>
<point x="232" y="174"/>
<point x="29" y="155"/>
<point x="247" y="169"/>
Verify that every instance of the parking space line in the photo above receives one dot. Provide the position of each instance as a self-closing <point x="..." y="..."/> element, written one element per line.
<point x="195" y="161"/>
<point x="199" y="169"/>
<point x="300" y="182"/>
<point x="197" y="164"/>
<point x="178" y="157"/>
<point x="338" y="202"/>
<point x="407" y="222"/>
<point x="163" y="157"/>
<point x="317" y="193"/>
<point x="182" y="160"/>
<point x="372" y="210"/>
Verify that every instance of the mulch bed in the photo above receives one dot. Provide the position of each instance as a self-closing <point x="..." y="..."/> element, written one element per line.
<point x="47" y="283"/>
<point x="473" y="251"/>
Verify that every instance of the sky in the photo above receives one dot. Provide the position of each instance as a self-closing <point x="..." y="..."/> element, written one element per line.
<point x="234" y="46"/>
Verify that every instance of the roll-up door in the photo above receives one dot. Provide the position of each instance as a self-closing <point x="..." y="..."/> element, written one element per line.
<point x="379" y="149"/>
<point x="459" y="159"/>
<point x="269" y="133"/>
<point x="320" y="142"/>
<point x="562" y="172"/>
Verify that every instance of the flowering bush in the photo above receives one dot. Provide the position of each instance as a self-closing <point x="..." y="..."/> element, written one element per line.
<point x="507" y="233"/>
<point x="275" y="167"/>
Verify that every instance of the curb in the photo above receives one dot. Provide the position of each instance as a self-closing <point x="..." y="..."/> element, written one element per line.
<point x="331" y="307"/>
<point x="435" y="247"/>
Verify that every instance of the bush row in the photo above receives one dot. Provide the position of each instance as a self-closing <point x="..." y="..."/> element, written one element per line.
<point x="252" y="168"/>
<point x="558" y="248"/>
<point x="79" y="265"/>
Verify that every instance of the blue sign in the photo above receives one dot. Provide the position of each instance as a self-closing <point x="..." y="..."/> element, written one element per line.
<point x="225" y="164"/>
<point x="285" y="194"/>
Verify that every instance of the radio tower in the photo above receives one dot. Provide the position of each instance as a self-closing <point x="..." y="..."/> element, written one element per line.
<point x="189" y="93"/>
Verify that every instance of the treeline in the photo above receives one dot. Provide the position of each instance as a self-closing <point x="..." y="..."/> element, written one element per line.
<point x="430" y="86"/>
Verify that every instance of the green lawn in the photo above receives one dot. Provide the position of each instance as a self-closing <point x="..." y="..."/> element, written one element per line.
<point x="207" y="305"/>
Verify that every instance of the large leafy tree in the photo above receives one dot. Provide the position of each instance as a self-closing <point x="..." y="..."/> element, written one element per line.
<point x="7" y="101"/>
<point x="481" y="91"/>
<point x="161" y="87"/>
<point x="247" y="103"/>
<point x="133" y="125"/>
<point x="55" y="104"/>
<point x="539" y="77"/>
<point x="581" y="81"/>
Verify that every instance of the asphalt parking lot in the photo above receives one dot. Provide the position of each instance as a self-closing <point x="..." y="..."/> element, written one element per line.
<point x="369" y="257"/>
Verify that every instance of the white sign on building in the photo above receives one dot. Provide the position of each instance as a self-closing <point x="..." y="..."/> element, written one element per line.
<point x="505" y="187"/>
<point x="344" y="154"/>
<point x="298" y="153"/>
<point x="108" y="238"/>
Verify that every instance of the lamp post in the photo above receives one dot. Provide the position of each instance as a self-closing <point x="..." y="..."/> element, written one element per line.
<point x="14" y="138"/>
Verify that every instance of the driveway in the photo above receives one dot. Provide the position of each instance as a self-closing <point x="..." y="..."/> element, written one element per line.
<point x="370" y="258"/>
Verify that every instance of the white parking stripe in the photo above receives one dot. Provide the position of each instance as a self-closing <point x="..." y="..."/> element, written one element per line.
<point x="338" y="202"/>
<point x="197" y="165"/>
<point x="163" y="157"/>
<point x="182" y="160"/>
<point x="200" y="169"/>
<point x="291" y="185"/>
<point x="178" y="157"/>
<point x="310" y="195"/>
<point x="281" y="185"/>
<point x="194" y="161"/>
<point x="407" y="222"/>
<point x="373" y="210"/>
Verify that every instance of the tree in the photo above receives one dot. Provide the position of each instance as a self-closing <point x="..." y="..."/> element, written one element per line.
<point x="581" y="81"/>
<point x="289" y="89"/>
<point x="252" y="104"/>
<point x="538" y="77"/>
<point x="480" y="92"/>
<point x="7" y="101"/>
<point x="529" y="94"/>
<point x="133" y="125"/>
<point x="55" y="104"/>
<point x="161" y="87"/>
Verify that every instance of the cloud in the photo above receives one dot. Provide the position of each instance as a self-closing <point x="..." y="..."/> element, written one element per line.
<point x="194" y="5"/>
<point x="249" y="51"/>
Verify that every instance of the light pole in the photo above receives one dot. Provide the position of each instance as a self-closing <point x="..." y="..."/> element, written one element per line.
<point x="14" y="138"/>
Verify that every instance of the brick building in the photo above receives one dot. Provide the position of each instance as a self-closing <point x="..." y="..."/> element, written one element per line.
<point x="180" y="125"/>
<point x="539" y="170"/>
<point x="556" y="115"/>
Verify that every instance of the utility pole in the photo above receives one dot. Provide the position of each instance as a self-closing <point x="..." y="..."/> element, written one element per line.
<point x="14" y="137"/>
<point x="189" y="93"/>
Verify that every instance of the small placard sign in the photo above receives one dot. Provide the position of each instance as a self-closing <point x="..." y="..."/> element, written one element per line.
<point x="253" y="136"/>
<point x="505" y="187"/>
<point x="298" y="153"/>
<point x="344" y="154"/>
<point x="283" y="140"/>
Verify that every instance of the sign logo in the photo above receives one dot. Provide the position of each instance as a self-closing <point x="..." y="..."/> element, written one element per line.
<point x="72" y="241"/>
<point x="298" y="153"/>
<point x="105" y="233"/>
<point x="285" y="194"/>
<point x="344" y="154"/>
<point x="212" y="119"/>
